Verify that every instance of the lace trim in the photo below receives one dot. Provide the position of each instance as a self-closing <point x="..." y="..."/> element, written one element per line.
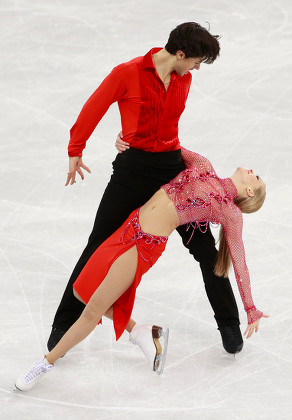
<point x="139" y="237"/>
<point x="198" y="202"/>
<point x="253" y="314"/>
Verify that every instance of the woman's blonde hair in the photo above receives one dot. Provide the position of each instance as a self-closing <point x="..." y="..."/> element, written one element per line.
<point x="246" y="205"/>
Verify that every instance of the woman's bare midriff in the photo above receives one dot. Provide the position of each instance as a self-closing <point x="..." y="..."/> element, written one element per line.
<point x="158" y="216"/>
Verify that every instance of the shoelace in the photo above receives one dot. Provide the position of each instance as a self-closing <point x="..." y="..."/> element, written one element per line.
<point x="34" y="372"/>
<point x="136" y="343"/>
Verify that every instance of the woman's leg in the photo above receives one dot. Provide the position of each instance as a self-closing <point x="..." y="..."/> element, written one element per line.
<point x="118" y="279"/>
<point x="130" y="325"/>
<point x="109" y="313"/>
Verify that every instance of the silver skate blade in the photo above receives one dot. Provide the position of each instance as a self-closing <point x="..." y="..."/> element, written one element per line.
<point x="161" y="357"/>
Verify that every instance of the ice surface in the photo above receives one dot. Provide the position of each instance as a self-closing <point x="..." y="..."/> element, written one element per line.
<point x="53" y="56"/>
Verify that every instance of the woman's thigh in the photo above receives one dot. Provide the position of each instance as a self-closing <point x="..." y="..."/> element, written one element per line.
<point x="119" y="278"/>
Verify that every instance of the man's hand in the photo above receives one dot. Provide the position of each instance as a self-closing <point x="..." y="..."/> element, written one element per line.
<point x="254" y="327"/>
<point x="120" y="144"/>
<point x="75" y="165"/>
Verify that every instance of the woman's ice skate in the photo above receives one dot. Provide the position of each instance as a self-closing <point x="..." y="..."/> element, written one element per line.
<point x="28" y="380"/>
<point x="148" y="338"/>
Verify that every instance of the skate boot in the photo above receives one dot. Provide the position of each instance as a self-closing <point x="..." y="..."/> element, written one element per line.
<point x="147" y="337"/>
<point x="231" y="338"/>
<point x="27" y="381"/>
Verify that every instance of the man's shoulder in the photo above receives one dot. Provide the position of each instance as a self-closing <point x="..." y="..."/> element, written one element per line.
<point x="128" y="66"/>
<point x="186" y="79"/>
<point x="188" y="76"/>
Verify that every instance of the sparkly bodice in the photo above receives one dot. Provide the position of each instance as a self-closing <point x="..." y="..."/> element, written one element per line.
<point x="198" y="194"/>
<point x="201" y="197"/>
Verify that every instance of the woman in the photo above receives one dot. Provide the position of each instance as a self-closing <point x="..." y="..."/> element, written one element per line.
<point x="109" y="280"/>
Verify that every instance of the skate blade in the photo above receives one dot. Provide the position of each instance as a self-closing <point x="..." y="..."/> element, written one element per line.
<point x="161" y="351"/>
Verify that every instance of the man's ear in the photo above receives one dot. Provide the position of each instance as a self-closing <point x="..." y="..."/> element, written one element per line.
<point x="180" y="55"/>
<point x="249" y="192"/>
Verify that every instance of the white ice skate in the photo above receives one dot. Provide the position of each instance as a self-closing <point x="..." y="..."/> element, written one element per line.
<point x="147" y="337"/>
<point x="28" y="380"/>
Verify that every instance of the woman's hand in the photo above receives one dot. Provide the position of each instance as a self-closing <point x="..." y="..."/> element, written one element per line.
<point x="75" y="165"/>
<point x="254" y="326"/>
<point x="120" y="144"/>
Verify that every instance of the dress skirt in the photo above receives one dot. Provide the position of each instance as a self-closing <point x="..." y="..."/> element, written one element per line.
<point x="149" y="247"/>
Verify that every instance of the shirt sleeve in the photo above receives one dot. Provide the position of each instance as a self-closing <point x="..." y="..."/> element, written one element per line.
<point x="110" y="90"/>
<point x="233" y="232"/>
<point x="193" y="160"/>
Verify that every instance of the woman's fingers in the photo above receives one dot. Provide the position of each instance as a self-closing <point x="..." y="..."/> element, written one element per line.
<point x="254" y="327"/>
<point x="250" y="333"/>
<point x="250" y="329"/>
<point x="247" y="332"/>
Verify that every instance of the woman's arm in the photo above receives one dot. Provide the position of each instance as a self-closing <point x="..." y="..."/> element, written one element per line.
<point x="194" y="160"/>
<point x="232" y="225"/>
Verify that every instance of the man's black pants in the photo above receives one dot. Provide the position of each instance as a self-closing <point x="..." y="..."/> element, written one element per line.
<point x="137" y="175"/>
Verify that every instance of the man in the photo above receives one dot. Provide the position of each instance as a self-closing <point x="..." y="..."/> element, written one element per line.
<point x="151" y="92"/>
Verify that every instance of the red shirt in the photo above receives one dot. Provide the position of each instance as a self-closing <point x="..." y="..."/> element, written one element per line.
<point x="149" y="112"/>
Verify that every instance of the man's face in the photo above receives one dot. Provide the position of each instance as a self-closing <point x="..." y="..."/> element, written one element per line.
<point x="184" y="65"/>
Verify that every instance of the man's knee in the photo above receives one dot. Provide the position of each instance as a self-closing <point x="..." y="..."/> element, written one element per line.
<point x="204" y="252"/>
<point x="200" y="244"/>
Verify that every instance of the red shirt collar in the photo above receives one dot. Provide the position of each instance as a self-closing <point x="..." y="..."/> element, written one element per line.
<point x="147" y="59"/>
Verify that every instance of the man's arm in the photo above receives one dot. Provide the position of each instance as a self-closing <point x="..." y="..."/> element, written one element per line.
<point x="75" y="165"/>
<point x="111" y="90"/>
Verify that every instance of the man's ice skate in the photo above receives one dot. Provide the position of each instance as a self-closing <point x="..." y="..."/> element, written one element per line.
<point x="27" y="381"/>
<point x="148" y="338"/>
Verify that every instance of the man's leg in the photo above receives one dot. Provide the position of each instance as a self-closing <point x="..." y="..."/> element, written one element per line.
<point x="218" y="289"/>
<point x="137" y="176"/>
<point x="131" y="185"/>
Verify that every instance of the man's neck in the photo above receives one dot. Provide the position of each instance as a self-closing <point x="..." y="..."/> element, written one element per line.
<point x="164" y="63"/>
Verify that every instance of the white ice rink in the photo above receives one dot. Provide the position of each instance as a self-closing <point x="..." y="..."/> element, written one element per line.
<point x="53" y="56"/>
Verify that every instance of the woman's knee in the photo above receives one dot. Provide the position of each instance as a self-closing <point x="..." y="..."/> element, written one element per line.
<point x="91" y="314"/>
<point x="77" y="296"/>
<point x="95" y="308"/>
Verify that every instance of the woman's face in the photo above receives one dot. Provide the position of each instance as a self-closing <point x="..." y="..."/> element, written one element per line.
<point x="249" y="179"/>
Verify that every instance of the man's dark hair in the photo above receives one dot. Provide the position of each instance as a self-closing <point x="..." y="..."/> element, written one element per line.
<point x="194" y="41"/>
